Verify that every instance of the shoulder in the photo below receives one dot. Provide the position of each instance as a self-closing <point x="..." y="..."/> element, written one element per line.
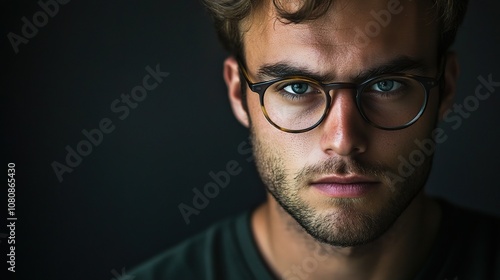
<point x="204" y="256"/>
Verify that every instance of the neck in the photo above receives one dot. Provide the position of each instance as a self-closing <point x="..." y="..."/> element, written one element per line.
<point x="398" y="254"/>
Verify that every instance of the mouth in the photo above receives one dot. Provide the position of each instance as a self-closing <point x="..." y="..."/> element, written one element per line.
<point x="351" y="186"/>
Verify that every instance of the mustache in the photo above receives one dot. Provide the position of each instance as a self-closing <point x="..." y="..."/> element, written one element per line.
<point x="340" y="166"/>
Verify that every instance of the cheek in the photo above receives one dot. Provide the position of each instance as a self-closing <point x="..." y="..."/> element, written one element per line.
<point x="293" y="149"/>
<point x="394" y="146"/>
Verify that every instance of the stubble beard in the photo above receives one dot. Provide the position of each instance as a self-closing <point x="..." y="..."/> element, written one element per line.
<point x="345" y="225"/>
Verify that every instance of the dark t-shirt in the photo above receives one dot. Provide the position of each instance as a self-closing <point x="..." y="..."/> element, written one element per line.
<point x="467" y="247"/>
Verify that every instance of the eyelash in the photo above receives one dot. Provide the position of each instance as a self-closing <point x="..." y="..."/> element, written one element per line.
<point x="281" y="90"/>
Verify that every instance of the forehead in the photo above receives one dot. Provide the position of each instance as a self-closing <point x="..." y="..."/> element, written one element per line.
<point x="350" y="37"/>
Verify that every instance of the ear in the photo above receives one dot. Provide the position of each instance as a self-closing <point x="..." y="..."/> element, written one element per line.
<point x="451" y="72"/>
<point x="233" y="83"/>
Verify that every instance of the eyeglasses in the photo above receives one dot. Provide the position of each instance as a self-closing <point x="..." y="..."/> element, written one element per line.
<point x="298" y="104"/>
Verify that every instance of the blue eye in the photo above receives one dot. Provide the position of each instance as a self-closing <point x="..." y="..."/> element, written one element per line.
<point x="386" y="85"/>
<point x="297" y="88"/>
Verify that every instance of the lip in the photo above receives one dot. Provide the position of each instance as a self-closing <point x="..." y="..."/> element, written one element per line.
<point x="344" y="186"/>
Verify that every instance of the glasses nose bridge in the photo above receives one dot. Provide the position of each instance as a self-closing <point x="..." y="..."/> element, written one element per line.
<point x="353" y="88"/>
<point x="338" y="86"/>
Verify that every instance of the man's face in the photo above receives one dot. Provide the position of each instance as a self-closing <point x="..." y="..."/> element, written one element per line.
<point x="334" y="179"/>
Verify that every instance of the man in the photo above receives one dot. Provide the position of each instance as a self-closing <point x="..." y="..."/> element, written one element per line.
<point x="334" y="93"/>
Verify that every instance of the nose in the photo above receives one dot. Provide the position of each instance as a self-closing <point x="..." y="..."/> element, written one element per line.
<point x="344" y="131"/>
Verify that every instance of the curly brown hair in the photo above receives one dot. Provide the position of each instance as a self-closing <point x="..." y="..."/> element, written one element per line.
<point x="229" y="14"/>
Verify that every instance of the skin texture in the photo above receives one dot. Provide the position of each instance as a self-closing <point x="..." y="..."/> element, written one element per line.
<point x="385" y="233"/>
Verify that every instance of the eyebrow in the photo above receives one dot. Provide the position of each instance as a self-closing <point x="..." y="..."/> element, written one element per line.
<point x="396" y="65"/>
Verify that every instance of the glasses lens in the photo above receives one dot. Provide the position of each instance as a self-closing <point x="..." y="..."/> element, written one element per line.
<point x="393" y="101"/>
<point x="295" y="104"/>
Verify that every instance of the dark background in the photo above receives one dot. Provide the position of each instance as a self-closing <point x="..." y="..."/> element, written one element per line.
<point x="119" y="206"/>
